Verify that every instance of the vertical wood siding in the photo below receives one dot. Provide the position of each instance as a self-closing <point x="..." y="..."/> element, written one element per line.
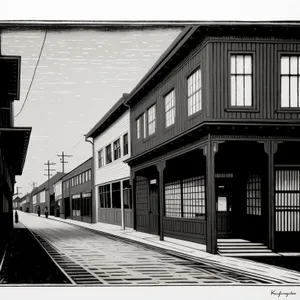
<point x="266" y="79"/>
<point x="177" y="79"/>
<point x="214" y="59"/>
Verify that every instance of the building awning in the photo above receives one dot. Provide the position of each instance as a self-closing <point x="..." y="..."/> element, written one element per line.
<point x="14" y="144"/>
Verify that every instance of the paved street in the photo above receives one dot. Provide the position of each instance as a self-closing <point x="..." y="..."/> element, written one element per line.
<point x="89" y="258"/>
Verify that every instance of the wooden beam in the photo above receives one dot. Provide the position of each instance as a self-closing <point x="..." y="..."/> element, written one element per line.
<point x="210" y="149"/>
<point x="160" y="168"/>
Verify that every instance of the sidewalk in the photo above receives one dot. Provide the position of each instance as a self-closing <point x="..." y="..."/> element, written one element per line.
<point x="189" y="250"/>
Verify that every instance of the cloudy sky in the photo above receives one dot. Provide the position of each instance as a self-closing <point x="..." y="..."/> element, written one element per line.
<point x="80" y="75"/>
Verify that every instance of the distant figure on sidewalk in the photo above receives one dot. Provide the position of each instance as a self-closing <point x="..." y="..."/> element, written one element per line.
<point x="16" y="217"/>
<point x="39" y="211"/>
<point x="46" y="211"/>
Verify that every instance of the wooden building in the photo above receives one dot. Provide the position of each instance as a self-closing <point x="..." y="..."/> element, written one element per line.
<point x="77" y="193"/>
<point x="215" y="137"/>
<point x="111" y="146"/>
<point x="13" y="142"/>
<point x="43" y="196"/>
<point x="57" y="189"/>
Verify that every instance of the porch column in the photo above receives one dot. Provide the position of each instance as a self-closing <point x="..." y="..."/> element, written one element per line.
<point x="133" y="188"/>
<point x="160" y="168"/>
<point x="209" y="150"/>
<point x="122" y="205"/>
<point x="271" y="148"/>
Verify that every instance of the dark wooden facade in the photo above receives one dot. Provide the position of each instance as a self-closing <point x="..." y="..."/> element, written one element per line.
<point x="77" y="193"/>
<point x="13" y="142"/>
<point x="211" y="135"/>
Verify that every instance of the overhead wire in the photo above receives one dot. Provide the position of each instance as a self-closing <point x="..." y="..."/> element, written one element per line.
<point x="34" y="72"/>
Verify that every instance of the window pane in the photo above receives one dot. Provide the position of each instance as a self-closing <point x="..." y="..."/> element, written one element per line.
<point x="293" y="64"/>
<point x="248" y="64"/>
<point x="285" y="65"/>
<point x="240" y="90"/>
<point x="233" y="90"/>
<point x="248" y="91"/>
<point x="285" y="91"/>
<point x="233" y="61"/>
<point x="293" y="91"/>
<point x="240" y="64"/>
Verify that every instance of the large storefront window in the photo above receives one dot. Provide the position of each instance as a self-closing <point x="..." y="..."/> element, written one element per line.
<point x="287" y="200"/>
<point x="116" y="195"/>
<point x="86" y="204"/>
<point x="104" y="196"/>
<point x="76" y="205"/>
<point x="185" y="198"/>
<point x="127" y="194"/>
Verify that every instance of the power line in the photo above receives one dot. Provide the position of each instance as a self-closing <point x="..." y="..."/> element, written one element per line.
<point x="34" y="72"/>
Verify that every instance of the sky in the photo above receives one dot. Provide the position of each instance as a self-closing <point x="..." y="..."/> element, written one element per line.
<point x="79" y="76"/>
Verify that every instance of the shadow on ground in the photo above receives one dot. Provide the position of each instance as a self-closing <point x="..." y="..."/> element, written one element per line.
<point x="287" y="262"/>
<point x="26" y="262"/>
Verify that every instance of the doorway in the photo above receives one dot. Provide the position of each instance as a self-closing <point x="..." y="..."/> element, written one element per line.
<point x="153" y="208"/>
<point x="224" y="207"/>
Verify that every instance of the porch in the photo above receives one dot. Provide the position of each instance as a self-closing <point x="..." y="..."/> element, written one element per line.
<point x="246" y="189"/>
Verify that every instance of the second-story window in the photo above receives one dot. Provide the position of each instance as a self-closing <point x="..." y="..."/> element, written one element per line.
<point x="117" y="149"/>
<point x="100" y="158"/>
<point x="290" y="81"/>
<point x="108" y="154"/>
<point x="145" y="125"/>
<point x="138" y="128"/>
<point x="151" y="119"/>
<point x="125" y="144"/>
<point x="241" y="80"/>
<point x="194" y="92"/>
<point x="170" y="108"/>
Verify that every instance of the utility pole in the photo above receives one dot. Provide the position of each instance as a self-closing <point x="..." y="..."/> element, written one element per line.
<point x="62" y="160"/>
<point x="33" y="185"/>
<point x="48" y="164"/>
<point x="18" y="187"/>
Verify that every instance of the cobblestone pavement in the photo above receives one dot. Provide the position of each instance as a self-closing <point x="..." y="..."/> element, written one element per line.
<point x="89" y="258"/>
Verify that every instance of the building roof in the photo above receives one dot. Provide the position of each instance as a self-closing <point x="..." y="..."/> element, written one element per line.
<point x="191" y="36"/>
<point x="109" y="118"/>
<point x="46" y="184"/>
<point x="73" y="172"/>
<point x="14" y="142"/>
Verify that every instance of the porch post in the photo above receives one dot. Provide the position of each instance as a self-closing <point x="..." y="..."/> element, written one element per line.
<point x="271" y="148"/>
<point x="209" y="150"/>
<point x="161" y="167"/>
<point x="133" y="195"/>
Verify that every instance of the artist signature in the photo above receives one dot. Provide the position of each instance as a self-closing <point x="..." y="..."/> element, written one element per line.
<point x="282" y="294"/>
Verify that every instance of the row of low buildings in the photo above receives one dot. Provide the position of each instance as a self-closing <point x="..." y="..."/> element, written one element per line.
<point x="206" y="146"/>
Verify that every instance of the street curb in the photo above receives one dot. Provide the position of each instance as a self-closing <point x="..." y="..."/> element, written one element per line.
<point x="179" y="254"/>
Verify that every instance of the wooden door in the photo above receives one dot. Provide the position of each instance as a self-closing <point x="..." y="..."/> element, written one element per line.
<point x="224" y="209"/>
<point x="153" y="209"/>
<point x="67" y="207"/>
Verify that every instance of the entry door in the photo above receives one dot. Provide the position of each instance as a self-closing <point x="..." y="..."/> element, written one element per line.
<point x="224" y="209"/>
<point x="153" y="209"/>
<point x="67" y="207"/>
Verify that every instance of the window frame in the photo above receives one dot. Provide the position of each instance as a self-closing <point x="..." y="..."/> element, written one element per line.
<point x="102" y="159"/>
<point x="282" y="109"/>
<point x="111" y="158"/>
<point x="255" y="103"/>
<point x="123" y="139"/>
<point x="120" y="148"/>
<point x="138" y="129"/>
<point x="155" y="119"/>
<point x="174" y="107"/>
<point x="192" y="72"/>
